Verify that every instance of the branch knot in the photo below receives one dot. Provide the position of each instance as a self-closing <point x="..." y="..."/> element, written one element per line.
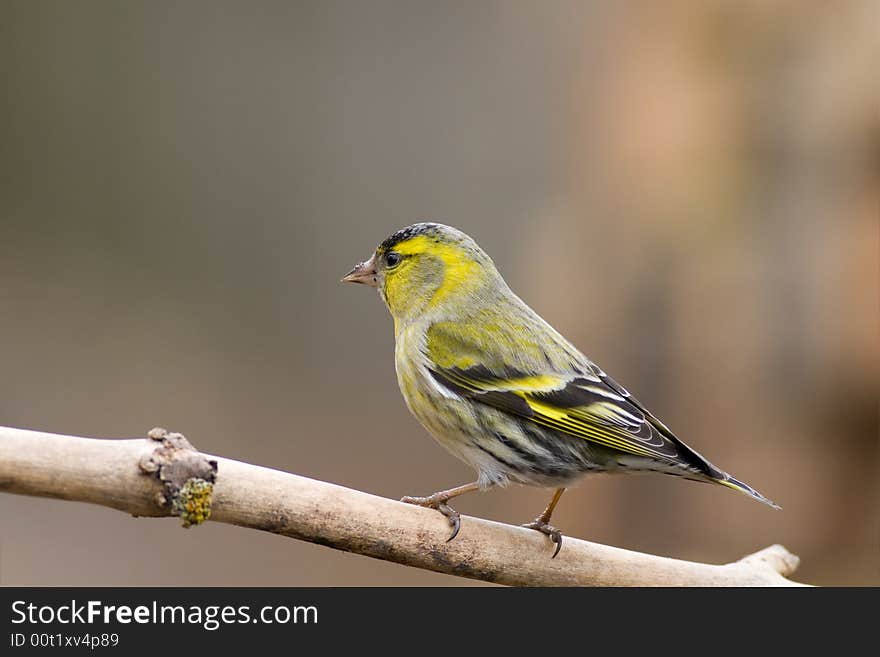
<point x="187" y="476"/>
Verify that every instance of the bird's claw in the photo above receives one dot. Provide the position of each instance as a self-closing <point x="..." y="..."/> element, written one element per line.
<point x="548" y="530"/>
<point x="454" y="518"/>
<point x="438" y="503"/>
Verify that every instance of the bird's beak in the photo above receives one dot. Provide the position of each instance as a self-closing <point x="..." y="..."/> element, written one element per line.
<point x="364" y="272"/>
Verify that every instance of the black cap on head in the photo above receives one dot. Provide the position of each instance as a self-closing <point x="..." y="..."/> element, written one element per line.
<point x="404" y="234"/>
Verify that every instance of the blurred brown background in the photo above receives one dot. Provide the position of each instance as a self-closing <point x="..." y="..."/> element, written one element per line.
<point x="687" y="190"/>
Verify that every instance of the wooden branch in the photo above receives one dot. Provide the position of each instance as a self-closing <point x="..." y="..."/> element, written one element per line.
<point x="119" y="474"/>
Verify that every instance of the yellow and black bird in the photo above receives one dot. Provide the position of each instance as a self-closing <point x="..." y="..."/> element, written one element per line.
<point x="502" y="390"/>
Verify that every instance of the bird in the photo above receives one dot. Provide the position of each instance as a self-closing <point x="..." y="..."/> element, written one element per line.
<point x="501" y="389"/>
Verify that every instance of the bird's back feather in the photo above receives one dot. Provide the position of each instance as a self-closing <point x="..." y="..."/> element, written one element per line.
<point x="508" y="366"/>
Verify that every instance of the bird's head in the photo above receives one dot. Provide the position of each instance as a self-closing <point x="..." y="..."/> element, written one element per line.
<point x="426" y="267"/>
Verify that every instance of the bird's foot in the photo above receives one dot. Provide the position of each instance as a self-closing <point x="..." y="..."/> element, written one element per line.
<point x="541" y="525"/>
<point x="438" y="502"/>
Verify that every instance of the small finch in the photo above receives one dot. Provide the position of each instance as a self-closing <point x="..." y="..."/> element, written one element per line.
<point x="502" y="390"/>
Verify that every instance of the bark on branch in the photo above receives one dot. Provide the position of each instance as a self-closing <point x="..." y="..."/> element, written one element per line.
<point x="128" y="475"/>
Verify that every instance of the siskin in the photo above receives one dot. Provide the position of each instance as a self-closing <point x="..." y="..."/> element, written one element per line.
<point x="500" y="389"/>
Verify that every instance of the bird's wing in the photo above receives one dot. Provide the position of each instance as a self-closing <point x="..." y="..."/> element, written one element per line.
<point x="581" y="401"/>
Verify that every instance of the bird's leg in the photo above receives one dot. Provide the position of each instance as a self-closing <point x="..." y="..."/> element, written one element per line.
<point x="439" y="501"/>
<point x="542" y="522"/>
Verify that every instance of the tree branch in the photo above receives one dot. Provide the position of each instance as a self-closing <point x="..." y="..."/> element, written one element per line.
<point x="125" y="475"/>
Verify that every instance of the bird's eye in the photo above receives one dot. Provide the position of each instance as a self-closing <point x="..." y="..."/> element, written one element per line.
<point x="392" y="259"/>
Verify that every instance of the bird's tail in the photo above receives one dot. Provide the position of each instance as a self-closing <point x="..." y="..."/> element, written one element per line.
<point x="726" y="480"/>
